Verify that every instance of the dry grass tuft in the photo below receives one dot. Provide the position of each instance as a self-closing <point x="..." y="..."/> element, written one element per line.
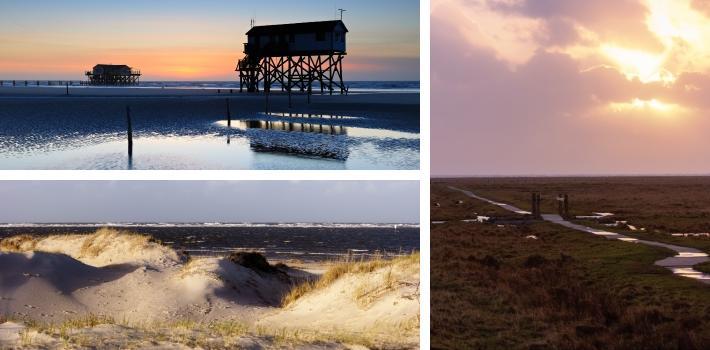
<point x="348" y="267"/>
<point x="17" y="244"/>
<point x="97" y="242"/>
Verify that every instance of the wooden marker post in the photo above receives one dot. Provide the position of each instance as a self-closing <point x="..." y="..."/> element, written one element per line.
<point x="566" y="202"/>
<point x="229" y="114"/>
<point x="67" y="89"/>
<point x="130" y="132"/>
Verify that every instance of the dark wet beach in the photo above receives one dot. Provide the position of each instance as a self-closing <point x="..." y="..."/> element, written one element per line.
<point x="193" y="132"/>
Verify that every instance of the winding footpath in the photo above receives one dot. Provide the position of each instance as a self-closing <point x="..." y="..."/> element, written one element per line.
<point x="681" y="264"/>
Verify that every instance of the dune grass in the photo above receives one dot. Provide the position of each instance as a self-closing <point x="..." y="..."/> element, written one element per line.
<point x="19" y="243"/>
<point x="341" y="268"/>
<point x="74" y="333"/>
<point x="96" y="243"/>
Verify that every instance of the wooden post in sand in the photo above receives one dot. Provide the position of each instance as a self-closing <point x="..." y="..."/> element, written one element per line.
<point x="130" y="132"/>
<point x="536" y="199"/>
<point x="229" y="114"/>
<point x="67" y="89"/>
<point x="566" y="202"/>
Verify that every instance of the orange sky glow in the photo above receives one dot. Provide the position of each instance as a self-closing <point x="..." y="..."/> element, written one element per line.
<point x="619" y="86"/>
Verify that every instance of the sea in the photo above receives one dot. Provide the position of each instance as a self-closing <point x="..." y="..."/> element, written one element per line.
<point x="353" y="86"/>
<point x="277" y="241"/>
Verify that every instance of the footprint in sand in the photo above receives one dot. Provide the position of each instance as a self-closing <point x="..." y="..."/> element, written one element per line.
<point x="30" y="306"/>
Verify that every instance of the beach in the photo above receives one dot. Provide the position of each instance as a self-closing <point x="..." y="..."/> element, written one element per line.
<point x="184" y="128"/>
<point x="122" y="289"/>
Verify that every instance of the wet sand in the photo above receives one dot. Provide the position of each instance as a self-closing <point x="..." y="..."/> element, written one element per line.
<point x="190" y="129"/>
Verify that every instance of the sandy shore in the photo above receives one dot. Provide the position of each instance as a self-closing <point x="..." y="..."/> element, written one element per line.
<point x="128" y="291"/>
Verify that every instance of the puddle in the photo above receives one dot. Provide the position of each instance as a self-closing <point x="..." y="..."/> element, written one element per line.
<point x="327" y="129"/>
<point x="214" y="151"/>
<point x="690" y="273"/>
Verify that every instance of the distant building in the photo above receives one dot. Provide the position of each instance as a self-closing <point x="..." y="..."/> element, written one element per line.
<point x="294" y="55"/>
<point x="113" y="75"/>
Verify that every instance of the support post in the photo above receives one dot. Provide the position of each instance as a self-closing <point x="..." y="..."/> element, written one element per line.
<point x="130" y="132"/>
<point x="229" y="114"/>
<point x="566" y="199"/>
<point x="67" y="89"/>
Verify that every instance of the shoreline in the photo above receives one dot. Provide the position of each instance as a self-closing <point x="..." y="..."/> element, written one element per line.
<point x="380" y="97"/>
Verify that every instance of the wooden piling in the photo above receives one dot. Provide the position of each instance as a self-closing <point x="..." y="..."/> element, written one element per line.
<point x="67" y="89"/>
<point x="229" y="114"/>
<point x="130" y="132"/>
<point x="566" y="201"/>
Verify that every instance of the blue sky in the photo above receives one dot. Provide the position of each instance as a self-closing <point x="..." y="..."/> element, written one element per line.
<point x="209" y="201"/>
<point x="195" y="40"/>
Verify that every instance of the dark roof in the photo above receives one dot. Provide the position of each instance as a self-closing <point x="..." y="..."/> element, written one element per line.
<point x="112" y="66"/>
<point x="304" y="27"/>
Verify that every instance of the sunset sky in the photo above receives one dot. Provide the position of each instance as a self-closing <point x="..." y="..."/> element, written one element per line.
<point x="559" y="87"/>
<point x="192" y="40"/>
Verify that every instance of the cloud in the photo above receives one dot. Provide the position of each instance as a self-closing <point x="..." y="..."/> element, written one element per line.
<point x="553" y="113"/>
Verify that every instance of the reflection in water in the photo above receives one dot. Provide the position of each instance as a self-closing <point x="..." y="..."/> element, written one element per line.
<point x="691" y="273"/>
<point x="309" y="115"/>
<point x="350" y="131"/>
<point x="286" y="126"/>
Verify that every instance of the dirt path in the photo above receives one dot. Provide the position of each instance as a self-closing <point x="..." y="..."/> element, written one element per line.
<point x="681" y="264"/>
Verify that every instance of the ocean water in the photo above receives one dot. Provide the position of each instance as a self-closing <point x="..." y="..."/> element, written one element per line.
<point x="353" y="86"/>
<point x="303" y="241"/>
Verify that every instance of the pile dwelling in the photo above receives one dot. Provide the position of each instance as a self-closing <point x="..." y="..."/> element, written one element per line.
<point x="113" y="75"/>
<point x="294" y="56"/>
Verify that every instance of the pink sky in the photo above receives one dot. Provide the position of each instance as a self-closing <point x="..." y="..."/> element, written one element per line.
<point x="545" y="87"/>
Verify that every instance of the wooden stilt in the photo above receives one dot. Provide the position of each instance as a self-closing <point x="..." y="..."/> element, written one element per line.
<point x="130" y="132"/>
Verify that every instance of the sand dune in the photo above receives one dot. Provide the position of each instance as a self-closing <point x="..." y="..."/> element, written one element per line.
<point x="134" y="281"/>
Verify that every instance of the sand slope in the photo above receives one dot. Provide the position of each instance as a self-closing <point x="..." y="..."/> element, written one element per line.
<point x="136" y="281"/>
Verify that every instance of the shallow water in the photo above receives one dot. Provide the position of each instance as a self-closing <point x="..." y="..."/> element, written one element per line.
<point x="680" y="264"/>
<point x="52" y="135"/>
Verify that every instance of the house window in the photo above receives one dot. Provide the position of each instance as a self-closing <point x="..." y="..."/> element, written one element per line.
<point x="337" y="37"/>
<point x="320" y="36"/>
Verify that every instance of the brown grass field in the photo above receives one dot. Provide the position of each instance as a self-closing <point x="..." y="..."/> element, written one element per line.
<point x="493" y="288"/>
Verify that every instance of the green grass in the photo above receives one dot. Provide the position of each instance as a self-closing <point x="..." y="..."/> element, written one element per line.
<point x="494" y="289"/>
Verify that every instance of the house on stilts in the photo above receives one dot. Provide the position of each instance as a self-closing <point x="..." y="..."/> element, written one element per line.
<point x="294" y="56"/>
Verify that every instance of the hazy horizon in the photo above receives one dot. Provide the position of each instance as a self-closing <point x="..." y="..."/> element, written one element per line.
<point x="570" y="87"/>
<point x="193" y="41"/>
<point x="209" y="201"/>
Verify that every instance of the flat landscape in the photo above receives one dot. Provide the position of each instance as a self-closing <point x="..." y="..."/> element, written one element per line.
<point x="512" y="282"/>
